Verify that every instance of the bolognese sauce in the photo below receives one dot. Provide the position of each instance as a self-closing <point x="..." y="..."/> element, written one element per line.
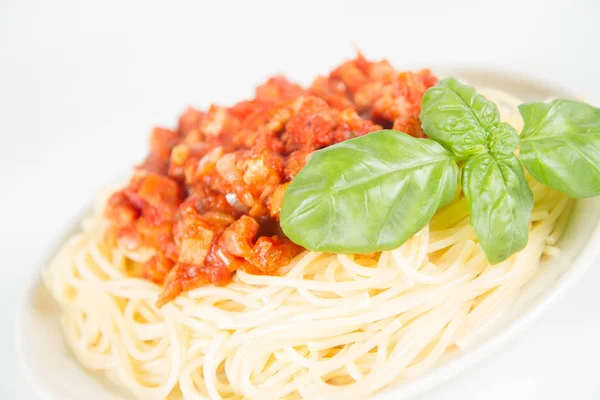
<point x="205" y="201"/>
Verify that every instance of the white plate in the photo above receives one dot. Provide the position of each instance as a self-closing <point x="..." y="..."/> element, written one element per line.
<point x="54" y="374"/>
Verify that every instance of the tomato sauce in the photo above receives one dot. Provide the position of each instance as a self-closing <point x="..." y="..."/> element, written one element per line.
<point x="206" y="199"/>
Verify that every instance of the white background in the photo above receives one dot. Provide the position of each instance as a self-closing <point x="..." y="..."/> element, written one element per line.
<point x="81" y="84"/>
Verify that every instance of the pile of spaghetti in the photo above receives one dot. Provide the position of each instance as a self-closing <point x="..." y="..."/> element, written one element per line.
<point x="182" y="284"/>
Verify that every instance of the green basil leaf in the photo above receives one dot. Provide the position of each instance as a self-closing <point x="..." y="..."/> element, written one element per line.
<point x="500" y="203"/>
<point x="368" y="194"/>
<point x="560" y="146"/>
<point x="464" y="121"/>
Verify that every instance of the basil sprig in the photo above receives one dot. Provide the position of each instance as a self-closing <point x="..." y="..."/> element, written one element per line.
<point x="373" y="192"/>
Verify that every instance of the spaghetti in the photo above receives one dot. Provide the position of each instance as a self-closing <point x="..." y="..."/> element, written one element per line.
<point x="333" y="326"/>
